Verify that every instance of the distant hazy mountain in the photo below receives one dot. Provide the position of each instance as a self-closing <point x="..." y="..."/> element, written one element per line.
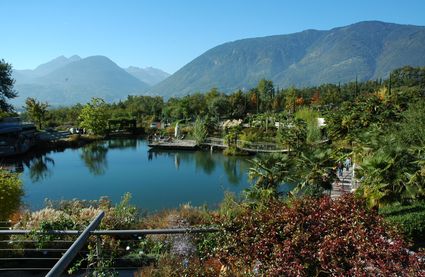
<point x="367" y="50"/>
<point x="54" y="64"/>
<point x="27" y="76"/>
<point x="65" y="81"/>
<point x="149" y="75"/>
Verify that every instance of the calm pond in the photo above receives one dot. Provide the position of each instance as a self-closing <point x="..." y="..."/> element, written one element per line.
<point x="156" y="179"/>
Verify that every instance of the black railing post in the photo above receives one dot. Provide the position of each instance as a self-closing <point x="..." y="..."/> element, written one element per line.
<point x="70" y="254"/>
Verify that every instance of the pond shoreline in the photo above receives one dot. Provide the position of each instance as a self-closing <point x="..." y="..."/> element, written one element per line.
<point x="76" y="141"/>
<point x="89" y="169"/>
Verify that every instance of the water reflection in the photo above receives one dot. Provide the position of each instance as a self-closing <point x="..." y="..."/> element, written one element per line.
<point x="177" y="161"/>
<point x="94" y="157"/>
<point x="208" y="162"/>
<point x="205" y="161"/>
<point x="234" y="170"/>
<point x="157" y="179"/>
<point x="40" y="168"/>
<point x="122" y="144"/>
<point x="38" y="163"/>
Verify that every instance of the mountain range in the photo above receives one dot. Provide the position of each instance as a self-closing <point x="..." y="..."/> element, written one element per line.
<point x="65" y="81"/>
<point x="365" y="50"/>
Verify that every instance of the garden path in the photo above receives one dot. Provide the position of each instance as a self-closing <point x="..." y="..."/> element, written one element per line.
<point x="343" y="184"/>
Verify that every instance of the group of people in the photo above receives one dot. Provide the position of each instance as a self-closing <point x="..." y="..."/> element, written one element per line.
<point x="77" y="130"/>
<point x="340" y="166"/>
<point x="160" y="138"/>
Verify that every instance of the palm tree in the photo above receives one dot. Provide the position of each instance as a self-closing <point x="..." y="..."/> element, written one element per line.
<point x="315" y="171"/>
<point x="391" y="171"/>
<point x="268" y="172"/>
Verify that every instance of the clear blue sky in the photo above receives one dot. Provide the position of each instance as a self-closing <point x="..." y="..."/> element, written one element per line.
<point x="167" y="34"/>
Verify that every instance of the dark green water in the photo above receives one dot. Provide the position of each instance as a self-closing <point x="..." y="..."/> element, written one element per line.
<point x="156" y="179"/>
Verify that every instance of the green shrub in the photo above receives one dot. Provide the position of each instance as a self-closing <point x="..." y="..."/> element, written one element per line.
<point x="249" y="134"/>
<point x="199" y="131"/>
<point x="11" y="192"/>
<point x="234" y="151"/>
<point x="257" y="134"/>
<point x="409" y="218"/>
<point x="76" y="215"/>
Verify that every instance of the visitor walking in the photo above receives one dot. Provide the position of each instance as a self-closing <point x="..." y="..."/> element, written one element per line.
<point x="339" y="168"/>
<point x="347" y="163"/>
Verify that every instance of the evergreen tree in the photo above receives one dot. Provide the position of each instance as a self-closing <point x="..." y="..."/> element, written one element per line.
<point x="6" y="86"/>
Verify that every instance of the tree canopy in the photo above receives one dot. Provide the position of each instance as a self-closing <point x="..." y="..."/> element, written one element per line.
<point x="6" y="86"/>
<point x="36" y="111"/>
<point x="93" y="117"/>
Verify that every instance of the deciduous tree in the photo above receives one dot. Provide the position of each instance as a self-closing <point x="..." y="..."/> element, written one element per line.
<point x="36" y="111"/>
<point x="93" y="116"/>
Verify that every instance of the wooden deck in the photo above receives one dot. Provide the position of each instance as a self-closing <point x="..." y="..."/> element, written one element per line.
<point x="174" y="144"/>
<point x="251" y="147"/>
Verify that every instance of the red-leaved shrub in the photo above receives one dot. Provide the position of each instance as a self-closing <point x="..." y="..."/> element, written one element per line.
<point x="316" y="237"/>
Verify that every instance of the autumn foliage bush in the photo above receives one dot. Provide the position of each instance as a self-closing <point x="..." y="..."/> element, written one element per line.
<point x="315" y="237"/>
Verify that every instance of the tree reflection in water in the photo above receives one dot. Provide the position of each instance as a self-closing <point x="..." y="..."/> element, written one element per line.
<point x="230" y="166"/>
<point x="94" y="157"/>
<point x="37" y="163"/>
<point x="234" y="167"/>
<point x="205" y="161"/>
<point x="39" y="168"/>
<point x="122" y="143"/>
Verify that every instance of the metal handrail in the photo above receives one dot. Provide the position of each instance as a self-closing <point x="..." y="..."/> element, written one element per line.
<point x="77" y="245"/>
<point x="70" y="254"/>
<point x="115" y="232"/>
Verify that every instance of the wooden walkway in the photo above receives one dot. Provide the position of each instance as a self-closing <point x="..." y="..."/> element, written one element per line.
<point x="173" y="145"/>
<point x="259" y="147"/>
<point x="53" y="136"/>
<point x="251" y="147"/>
<point x="215" y="142"/>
